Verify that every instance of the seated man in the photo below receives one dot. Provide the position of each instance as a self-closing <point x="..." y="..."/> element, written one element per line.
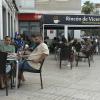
<point x="36" y="56"/>
<point x="6" y="47"/>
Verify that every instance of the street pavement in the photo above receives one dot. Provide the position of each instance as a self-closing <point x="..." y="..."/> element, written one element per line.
<point x="80" y="83"/>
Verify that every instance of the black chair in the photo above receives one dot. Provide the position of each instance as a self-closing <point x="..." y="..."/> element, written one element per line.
<point x="34" y="71"/>
<point x="5" y="71"/>
<point x="3" y="61"/>
<point x="83" y="54"/>
<point x="66" y="53"/>
<point x="92" y="52"/>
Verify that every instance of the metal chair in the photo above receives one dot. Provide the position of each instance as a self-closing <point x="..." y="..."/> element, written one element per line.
<point x="3" y="61"/>
<point x="86" y="55"/>
<point x="5" y="71"/>
<point x="34" y="71"/>
<point x="66" y="53"/>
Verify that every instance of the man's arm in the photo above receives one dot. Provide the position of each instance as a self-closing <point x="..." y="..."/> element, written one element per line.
<point x="43" y="56"/>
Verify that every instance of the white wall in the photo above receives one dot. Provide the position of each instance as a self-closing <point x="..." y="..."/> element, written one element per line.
<point x="12" y="13"/>
<point x="49" y="6"/>
<point x="54" y="5"/>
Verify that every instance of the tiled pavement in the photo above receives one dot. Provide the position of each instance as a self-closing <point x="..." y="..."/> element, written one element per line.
<point x="80" y="83"/>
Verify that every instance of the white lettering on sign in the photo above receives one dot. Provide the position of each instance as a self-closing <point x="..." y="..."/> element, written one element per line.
<point x="83" y="19"/>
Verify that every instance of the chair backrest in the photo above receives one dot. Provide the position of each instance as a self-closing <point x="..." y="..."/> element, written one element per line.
<point x="42" y="64"/>
<point x="65" y="52"/>
<point x="92" y="50"/>
<point x="77" y="47"/>
<point x="3" y="61"/>
<point x="89" y="52"/>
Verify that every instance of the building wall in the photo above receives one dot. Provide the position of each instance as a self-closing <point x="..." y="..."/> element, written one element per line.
<point x="66" y="6"/>
<point x="49" y="6"/>
<point x="7" y="19"/>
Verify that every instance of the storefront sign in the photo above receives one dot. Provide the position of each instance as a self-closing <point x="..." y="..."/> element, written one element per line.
<point x="72" y="19"/>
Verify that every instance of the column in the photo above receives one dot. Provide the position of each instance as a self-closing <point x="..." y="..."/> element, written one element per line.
<point x="7" y="21"/>
<point x="16" y="23"/>
<point x="13" y="19"/>
<point x="10" y="25"/>
<point x="1" y="21"/>
<point x="66" y="31"/>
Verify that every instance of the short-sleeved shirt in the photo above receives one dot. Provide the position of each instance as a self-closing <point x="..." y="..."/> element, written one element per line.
<point x="36" y="54"/>
<point x="7" y="48"/>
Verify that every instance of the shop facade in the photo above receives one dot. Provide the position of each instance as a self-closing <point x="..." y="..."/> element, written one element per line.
<point x="68" y="22"/>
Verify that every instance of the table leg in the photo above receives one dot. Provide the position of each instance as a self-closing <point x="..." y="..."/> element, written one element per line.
<point x="17" y="69"/>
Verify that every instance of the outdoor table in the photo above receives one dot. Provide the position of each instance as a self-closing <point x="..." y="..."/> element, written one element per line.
<point x="15" y="58"/>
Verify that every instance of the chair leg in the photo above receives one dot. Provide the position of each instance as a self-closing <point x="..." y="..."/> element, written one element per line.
<point x="19" y="82"/>
<point x="60" y="64"/>
<point x="11" y="76"/>
<point x="13" y="79"/>
<point x="41" y="80"/>
<point x="89" y="61"/>
<point x="71" y="65"/>
<point x="11" y="82"/>
<point x="19" y="78"/>
<point x="6" y="85"/>
<point x="77" y="61"/>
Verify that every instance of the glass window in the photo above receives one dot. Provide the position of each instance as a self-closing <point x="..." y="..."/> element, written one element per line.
<point x="23" y="23"/>
<point x="29" y="27"/>
<point x="34" y="27"/>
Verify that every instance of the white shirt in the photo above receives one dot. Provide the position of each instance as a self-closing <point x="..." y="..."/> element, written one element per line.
<point x="36" y="54"/>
